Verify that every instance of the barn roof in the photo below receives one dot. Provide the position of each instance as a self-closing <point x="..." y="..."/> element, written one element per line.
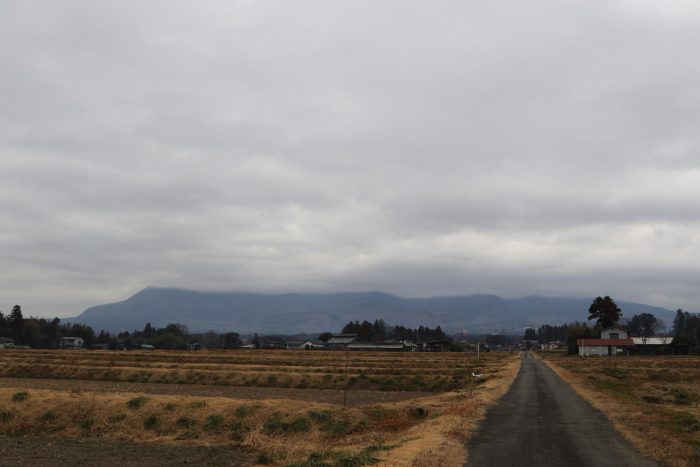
<point x="341" y="339"/>
<point x="615" y="342"/>
<point x="652" y="340"/>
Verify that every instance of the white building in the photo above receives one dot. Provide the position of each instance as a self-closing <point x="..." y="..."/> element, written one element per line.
<point x="71" y="342"/>
<point x="613" y="341"/>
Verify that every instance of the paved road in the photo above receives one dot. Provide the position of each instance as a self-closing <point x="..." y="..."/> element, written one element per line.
<point x="541" y="422"/>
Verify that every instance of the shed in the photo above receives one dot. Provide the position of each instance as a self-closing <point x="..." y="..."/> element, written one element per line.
<point x="600" y="347"/>
<point x="71" y="342"/>
<point x="400" y="346"/>
<point x="340" y="341"/>
<point x="311" y="345"/>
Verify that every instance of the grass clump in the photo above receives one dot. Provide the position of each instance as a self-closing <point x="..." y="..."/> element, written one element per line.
<point x="48" y="416"/>
<point x="331" y="458"/>
<point x="151" y="422"/>
<point x="20" y="396"/>
<point x="239" y="429"/>
<point x="617" y="373"/>
<point x="265" y="458"/>
<point x="651" y="399"/>
<point x="682" y="397"/>
<point x="276" y="425"/>
<point x="197" y="404"/>
<point x="86" y="423"/>
<point x="169" y="406"/>
<point x="214" y="423"/>
<point x="185" y="422"/>
<point x="117" y="417"/>
<point x="331" y="426"/>
<point x="320" y="416"/>
<point x="683" y="422"/>
<point x="136" y="402"/>
<point x="188" y="434"/>
<point x="245" y="410"/>
<point x="6" y="415"/>
<point x="378" y="413"/>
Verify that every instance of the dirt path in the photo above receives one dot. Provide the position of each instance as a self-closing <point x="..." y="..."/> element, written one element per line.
<point x="330" y="396"/>
<point x="541" y="421"/>
<point x="40" y="452"/>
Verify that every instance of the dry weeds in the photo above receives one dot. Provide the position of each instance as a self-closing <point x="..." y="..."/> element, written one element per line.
<point x="653" y="401"/>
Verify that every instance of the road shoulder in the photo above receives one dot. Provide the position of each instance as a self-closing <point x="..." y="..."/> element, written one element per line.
<point x="627" y="418"/>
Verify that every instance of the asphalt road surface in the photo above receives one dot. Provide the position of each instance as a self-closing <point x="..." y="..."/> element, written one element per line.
<point x="541" y="421"/>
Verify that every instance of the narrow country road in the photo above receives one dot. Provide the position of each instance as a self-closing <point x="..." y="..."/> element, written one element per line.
<point x="541" y="421"/>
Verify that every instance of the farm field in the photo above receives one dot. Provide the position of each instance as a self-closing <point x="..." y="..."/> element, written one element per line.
<point x="431" y="372"/>
<point x="267" y="407"/>
<point x="653" y="400"/>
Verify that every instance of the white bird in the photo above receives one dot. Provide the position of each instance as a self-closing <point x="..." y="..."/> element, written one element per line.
<point x="479" y="376"/>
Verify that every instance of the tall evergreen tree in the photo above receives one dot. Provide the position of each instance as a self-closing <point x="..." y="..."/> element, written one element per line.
<point x="605" y="311"/>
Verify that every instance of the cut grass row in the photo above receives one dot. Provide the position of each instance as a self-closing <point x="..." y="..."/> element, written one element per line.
<point x="222" y="359"/>
<point x="63" y="365"/>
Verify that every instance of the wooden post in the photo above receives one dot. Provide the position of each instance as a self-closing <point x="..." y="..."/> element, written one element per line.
<point x="347" y="378"/>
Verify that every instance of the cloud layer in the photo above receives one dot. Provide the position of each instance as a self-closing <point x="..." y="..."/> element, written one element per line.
<point x="419" y="148"/>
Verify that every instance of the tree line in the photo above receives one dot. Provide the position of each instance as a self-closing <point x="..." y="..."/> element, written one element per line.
<point x="173" y="336"/>
<point x="379" y="331"/>
<point x="40" y="332"/>
<point x="44" y="333"/>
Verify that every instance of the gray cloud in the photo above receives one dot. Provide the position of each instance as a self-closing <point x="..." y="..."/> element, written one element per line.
<point x="417" y="148"/>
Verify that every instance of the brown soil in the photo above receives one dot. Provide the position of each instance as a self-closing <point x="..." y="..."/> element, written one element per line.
<point x="329" y="396"/>
<point x="44" y="451"/>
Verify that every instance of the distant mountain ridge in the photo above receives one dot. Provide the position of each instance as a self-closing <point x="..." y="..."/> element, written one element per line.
<point x="294" y="313"/>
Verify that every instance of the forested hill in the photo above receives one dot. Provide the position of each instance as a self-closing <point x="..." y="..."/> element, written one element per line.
<point x="310" y="313"/>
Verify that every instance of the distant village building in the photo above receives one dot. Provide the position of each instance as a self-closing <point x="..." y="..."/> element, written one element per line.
<point x="654" y="345"/>
<point x="71" y="343"/>
<point x="340" y="341"/>
<point x="400" y="346"/>
<point x="613" y="341"/>
<point x="437" y="345"/>
<point x="553" y="345"/>
<point x="309" y="345"/>
<point x="273" y="342"/>
<point x="6" y="342"/>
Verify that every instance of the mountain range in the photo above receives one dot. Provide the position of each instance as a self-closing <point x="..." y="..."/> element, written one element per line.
<point x="296" y="313"/>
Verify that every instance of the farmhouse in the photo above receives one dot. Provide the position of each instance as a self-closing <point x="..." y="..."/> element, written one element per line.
<point x="6" y="342"/>
<point x="401" y="346"/>
<point x="613" y="341"/>
<point x="340" y="341"/>
<point x="437" y="345"/>
<point x="71" y="342"/>
<point x="308" y="345"/>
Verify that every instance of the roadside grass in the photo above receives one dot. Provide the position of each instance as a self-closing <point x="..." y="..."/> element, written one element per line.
<point x="653" y="400"/>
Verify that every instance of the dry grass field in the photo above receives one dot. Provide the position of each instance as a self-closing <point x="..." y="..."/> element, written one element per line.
<point x="276" y="407"/>
<point x="653" y="401"/>
<point x="284" y="369"/>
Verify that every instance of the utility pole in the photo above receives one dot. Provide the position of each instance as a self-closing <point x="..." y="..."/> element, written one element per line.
<point x="347" y="362"/>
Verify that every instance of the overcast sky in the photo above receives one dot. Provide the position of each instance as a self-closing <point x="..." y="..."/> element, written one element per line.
<point x="419" y="148"/>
